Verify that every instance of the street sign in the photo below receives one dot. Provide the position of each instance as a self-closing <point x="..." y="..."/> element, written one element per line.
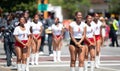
<point x="42" y="7"/>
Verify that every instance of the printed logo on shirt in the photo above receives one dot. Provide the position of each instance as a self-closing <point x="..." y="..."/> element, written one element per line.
<point x="78" y="29"/>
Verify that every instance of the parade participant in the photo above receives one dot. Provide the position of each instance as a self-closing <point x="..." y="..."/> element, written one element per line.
<point x="21" y="34"/>
<point x="57" y="32"/>
<point x="36" y="29"/>
<point x="90" y="43"/>
<point x="98" y="38"/>
<point x="27" y="25"/>
<point x="103" y="28"/>
<point x="77" y="30"/>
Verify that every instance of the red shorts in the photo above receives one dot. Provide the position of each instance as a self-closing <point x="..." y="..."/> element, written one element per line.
<point x="91" y="40"/>
<point x="97" y="37"/>
<point x="19" y="44"/>
<point x="57" y="36"/>
<point x="36" y="35"/>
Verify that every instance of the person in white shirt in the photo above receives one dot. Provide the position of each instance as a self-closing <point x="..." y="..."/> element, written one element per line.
<point x="57" y="32"/>
<point x="90" y="43"/>
<point x="36" y="29"/>
<point x="21" y="34"/>
<point x="77" y="30"/>
<point x="28" y="25"/>
<point x="98" y="38"/>
<point x="102" y="19"/>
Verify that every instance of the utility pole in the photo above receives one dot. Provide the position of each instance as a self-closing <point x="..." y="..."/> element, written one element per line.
<point x="45" y="12"/>
<point x="43" y="2"/>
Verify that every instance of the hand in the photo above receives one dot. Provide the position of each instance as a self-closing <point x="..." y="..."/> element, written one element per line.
<point x="76" y="43"/>
<point x="23" y="45"/>
<point x="61" y="36"/>
<point x="80" y="46"/>
<point x="35" y="39"/>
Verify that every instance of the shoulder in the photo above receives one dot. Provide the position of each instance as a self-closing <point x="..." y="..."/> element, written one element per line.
<point x="83" y="24"/>
<point x="99" y="22"/>
<point x="17" y="28"/>
<point x="53" y="24"/>
<point x="39" y="23"/>
<point x="72" y="23"/>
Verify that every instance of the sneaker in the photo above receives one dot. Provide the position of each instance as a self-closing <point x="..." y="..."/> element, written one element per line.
<point x="59" y="60"/>
<point x="27" y="68"/>
<point x="97" y="66"/>
<point x="41" y="53"/>
<point x="51" y="55"/>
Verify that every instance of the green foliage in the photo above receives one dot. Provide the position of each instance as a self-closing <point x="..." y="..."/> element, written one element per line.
<point x="16" y="5"/>
<point x="71" y="6"/>
<point x="115" y="6"/>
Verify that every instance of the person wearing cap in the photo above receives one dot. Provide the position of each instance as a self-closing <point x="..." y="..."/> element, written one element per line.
<point x="114" y="26"/>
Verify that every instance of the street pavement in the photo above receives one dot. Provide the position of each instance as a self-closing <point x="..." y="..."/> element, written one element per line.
<point x="110" y="60"/>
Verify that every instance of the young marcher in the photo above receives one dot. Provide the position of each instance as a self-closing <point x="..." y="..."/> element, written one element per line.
<point x="21" y="34"/>
<point x="57" y="32"/>
<point x="36" y="29"/>
<point x="98" y="38"/>
<point x="90" y="43"/>
<point x="77" y="30"/>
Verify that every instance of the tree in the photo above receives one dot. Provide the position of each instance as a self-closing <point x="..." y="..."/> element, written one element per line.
<point x="114" y="6"/>
<point x="12" y="6"/>
<point x="71" y="6"/>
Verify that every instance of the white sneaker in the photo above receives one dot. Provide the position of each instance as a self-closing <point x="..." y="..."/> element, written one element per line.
<point x="36" y="63"/>
<point x="97" y="66"/>
<point x="27" y="68"/>
<point x="51" y="55"/>
<point x="59" y="60"/>
<point x="41" y="53"/>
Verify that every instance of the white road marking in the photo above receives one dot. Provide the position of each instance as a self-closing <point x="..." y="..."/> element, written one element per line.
<point x="109" y="68"/>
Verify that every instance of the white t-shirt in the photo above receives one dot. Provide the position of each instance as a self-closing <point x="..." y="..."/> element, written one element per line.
<point x="97" y="27"/>
<point x="90" y="31"/>
<point x="28" y="25"/>
<point x="22" y="35"/>
<point x="57" y="29"/>
<point x="78" y="29"/>
<point x="36" y="27"/>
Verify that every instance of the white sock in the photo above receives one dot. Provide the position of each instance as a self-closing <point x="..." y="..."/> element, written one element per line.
<point x="27" y="66"/>
<point x="23" y="67"/>
<point x="72" y="68"/>
<point x="86" y="65"/>
<point x="36" y="58"/>
<point x="96" y="61"/>
<point x="54" y="56"/>
<point x="92" y="65"/>
<point x="32" y="59"/>
<point x="80" y="69"/>
<point x="59" y="56"/>
<point x="19" y="67"/>
<point x="99" y="59"/>
<point x="28" y="60"/>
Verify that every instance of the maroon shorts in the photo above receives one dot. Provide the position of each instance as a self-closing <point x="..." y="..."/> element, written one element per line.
<point x="57" y="36"/>
<point x="36" y="35"/>
<point x="97" y="37"/>
<point x="19" y="44"/>
<point x="91" y="40"/>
